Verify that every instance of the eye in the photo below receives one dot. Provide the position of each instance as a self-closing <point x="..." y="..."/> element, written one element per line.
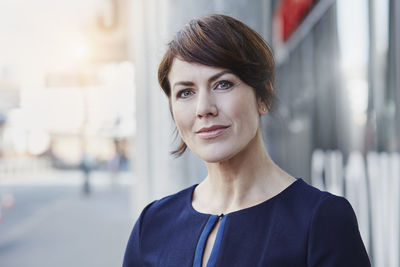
<point x="185" y="93"/>
<point x="223" y="85"/>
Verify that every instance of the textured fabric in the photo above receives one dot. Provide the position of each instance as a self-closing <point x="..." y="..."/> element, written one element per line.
<point x="301" y="226"/>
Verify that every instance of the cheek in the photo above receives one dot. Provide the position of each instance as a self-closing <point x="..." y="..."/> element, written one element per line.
<point x="245" y="109"/>
<point x="183" y="118"/>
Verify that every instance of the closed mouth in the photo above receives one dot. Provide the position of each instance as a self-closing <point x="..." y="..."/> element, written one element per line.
<point x="212" y="132"/>
<point x="211" y="128"/>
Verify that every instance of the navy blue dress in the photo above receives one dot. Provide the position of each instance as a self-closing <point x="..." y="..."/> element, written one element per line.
<point x="301" y="226"/>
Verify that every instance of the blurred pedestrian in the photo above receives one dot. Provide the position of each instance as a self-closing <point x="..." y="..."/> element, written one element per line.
<point x="86" y="167"/>
<point x="114" y="167"/>
<point x="218" y="75"/>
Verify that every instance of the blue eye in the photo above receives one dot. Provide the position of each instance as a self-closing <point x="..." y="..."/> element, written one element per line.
<point x="224" y="85"/>
<point x="185" y="93"/>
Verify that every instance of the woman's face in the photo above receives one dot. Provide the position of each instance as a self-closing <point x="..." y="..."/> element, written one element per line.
<point x="217" y="114"/>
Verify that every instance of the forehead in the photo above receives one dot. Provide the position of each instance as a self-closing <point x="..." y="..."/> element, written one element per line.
<point x="188" y="71"/>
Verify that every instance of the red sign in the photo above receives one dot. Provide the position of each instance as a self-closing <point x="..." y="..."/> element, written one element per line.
<point x="289" y="14"/>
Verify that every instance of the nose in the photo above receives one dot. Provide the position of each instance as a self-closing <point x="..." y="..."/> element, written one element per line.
<point x="206" y="105"/>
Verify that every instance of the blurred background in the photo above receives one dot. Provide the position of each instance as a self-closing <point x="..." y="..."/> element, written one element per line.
<point x="85" y="132"/>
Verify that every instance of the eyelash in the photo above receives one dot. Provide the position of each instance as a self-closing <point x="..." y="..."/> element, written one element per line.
<point x="230" y="84"/>
<point x="223" y="82"/>
<point x="179" y="94"/>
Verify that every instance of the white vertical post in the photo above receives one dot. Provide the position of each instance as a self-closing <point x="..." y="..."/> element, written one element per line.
<point x="394" y="202"/>
<point x="334" y="172"/>
<point x="377" y="214"/>
<point x="317" y="169"/>
<point x="357" y="192"/>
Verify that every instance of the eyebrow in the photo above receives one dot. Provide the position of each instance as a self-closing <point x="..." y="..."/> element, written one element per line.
<point x="210" y="80"/>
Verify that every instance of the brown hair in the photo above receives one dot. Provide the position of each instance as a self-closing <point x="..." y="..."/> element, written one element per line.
<point x="224" y="42"/>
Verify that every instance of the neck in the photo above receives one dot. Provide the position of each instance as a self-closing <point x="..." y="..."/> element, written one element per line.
<point x="242" y="181"/>
<point x="248" y="164"/>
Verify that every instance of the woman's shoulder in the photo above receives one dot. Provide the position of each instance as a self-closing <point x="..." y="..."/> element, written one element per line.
<point x="307" y="199"/>
<point x="171" y="204"/>
<point x="333" y="235"/>
<point x="307" y="194"/>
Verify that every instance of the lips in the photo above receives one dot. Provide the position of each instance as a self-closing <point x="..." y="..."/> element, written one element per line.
<point x="212" y="131"/>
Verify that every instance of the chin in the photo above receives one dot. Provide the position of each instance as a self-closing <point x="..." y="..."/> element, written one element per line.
<point x="215" y="159"/>
<point x="216" y="156"/>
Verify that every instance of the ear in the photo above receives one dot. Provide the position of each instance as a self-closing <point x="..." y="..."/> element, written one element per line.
<point x="261" y="106"/>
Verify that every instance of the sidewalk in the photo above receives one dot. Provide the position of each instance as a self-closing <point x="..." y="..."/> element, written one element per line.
<point x="54" y="224"/>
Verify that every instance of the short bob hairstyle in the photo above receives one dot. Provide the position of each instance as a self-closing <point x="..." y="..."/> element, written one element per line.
<point x="224" y="42"/>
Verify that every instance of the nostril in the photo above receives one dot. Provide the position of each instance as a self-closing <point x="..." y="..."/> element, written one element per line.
<point x="213" y="111"/>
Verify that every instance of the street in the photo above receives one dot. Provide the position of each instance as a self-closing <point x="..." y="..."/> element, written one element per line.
<point x="53" y="223"/>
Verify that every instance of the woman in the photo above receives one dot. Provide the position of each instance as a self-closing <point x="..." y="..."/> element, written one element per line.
<point x="218" y="75"/>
